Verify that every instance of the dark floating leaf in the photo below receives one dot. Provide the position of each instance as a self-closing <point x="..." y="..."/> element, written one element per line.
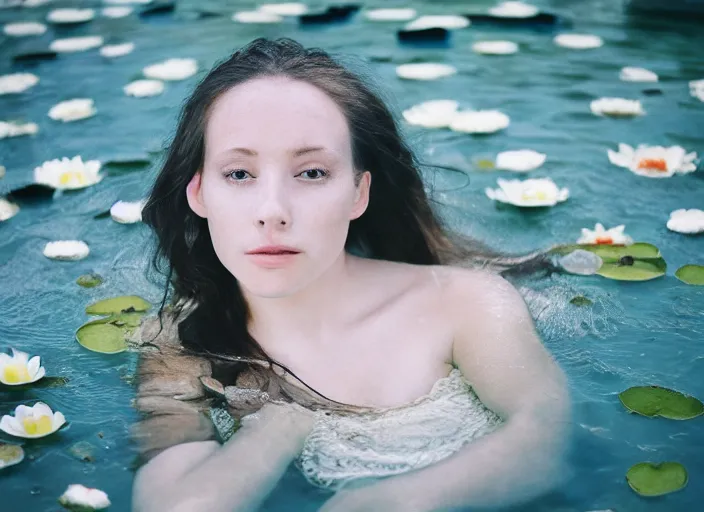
<point x="434" y="34"/>
<point x="33" y="191"/>
<point x="581" y="300"/>
<point x="691" y="274"/>
<point x="89" y="280"/>
<point x="541" y="19"/>
<point x="51" y="382"/>
<point x="157" y="8"/>
<point x="34" y="56"/>
<point x="102" y="215"/>
<point x="333" y="14"/>
<point x="652" y="92"/>
<point x="118" y="166"/>
<point x="648" y="479"/>
<point x="225" y="425"/>
<point x="655" y="401"/>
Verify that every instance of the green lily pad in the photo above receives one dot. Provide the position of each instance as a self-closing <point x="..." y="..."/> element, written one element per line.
<point x="637" y="262"/>
<point x="51" y="382"/>
<point x="102" y="337"/>
<point x="10" y="454"/>
<point x="691" y="274"/>
<point x="638" y="250"/>
<point x="126" y="304"/>
<point x="581" y="300"/>
<point x="485" y="164"/>
<point x="89" y="280"/>
<point x="655" y="401"/>
<point x="648" y="479"/>
<point x="633" y="269"/>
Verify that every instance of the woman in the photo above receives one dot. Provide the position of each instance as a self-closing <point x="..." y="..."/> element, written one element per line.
<point x="311" y="277"/>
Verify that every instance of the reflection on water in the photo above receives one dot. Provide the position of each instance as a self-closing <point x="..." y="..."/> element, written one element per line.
<point x="626" y="334"/>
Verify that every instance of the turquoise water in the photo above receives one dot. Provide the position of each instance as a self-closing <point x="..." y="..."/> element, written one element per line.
<point x="633" y="334"/>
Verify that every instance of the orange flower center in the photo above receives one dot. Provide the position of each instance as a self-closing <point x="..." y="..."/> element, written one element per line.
<point x="653" y="164"/>
<point x="606" y="240"/>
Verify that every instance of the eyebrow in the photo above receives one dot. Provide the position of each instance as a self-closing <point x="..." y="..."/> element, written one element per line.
<point x="297" y="152"/>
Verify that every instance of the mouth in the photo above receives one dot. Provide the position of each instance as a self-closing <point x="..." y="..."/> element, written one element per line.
<point x="274" y="252"/>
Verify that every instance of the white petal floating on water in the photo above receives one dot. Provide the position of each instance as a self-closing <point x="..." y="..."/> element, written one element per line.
<point x="9" y="129"/>
<point x="633" y="74"/>
<point x="654" y="161"/>
<point x="432" y="114"/>
<point x="495" y="47"/>
<point x="528" y="193"/>
<point x="144" y="88"/>
<point x="24" y="28"/>
<point x="66" y="250"/>
<point x="522" y="160"/>
<point x="116" y="12"/>
<point x="514" y="10"/>
<point x="696" y="89"/>
<point x="617" y="107"/>
<point x="172" y="69"/>
<point x="17" y="82"/>
<point x="479" y="121"/>
<point x="80" y="497"/>
<point x="256" y="17"/>
<point x="73" y="110"/>
<point x="7" y="209"/>
<point x="76" y="44"/>
<point x="425" y="71"/>
<point x="688" y="222"/>
<point x="127" y="212"/>
<point x="399" y="14"/>
<point x="116" y="50"/>
<point x="581" y="262"/>
<point x="19" y="368"/>
<point x="68" y="173"/>
<point x="449" y="22"/>
<point x="70" y="15"/>
<point x="285" y="9"/>
<point x="32" y="422"/>
<point x="10" y="454"/>
<point x="601" y="236"/>
<point x="578" y="41"/>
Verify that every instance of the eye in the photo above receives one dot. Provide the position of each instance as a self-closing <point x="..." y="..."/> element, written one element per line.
<point x="314" y="174"/>
<point x="237" y="175"/>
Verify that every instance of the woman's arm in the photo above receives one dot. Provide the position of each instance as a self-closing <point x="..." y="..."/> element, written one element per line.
<point x="199" y="476"/>
<point x="497" y="349"/>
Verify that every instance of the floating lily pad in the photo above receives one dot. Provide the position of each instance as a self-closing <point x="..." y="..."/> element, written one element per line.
<point x="32" y="191"/>
<point x="119" y="166"/>
<point x="102" y="215"/>
<point x="10" y="454"/>
<point x="655" y="401"/>
<point x="34" y="56"/>
<point x="89" y="280"/>
<point x="638" y="250"/>
<point x="102" y="337"/>
<point x="83" y="451"/>
<point x="581" y="300"/>
<point x="638" y="262"/>
<point x="225" y="425"/>
<point x="635" y="270"/>
<point x="126" y="304"/>
<point x="648" y="479"/>
<point x="691" y="274"/>
<point x="51" y="382"/>
<point x="485" y="164"/>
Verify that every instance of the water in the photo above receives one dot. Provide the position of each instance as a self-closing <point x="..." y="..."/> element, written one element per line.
<point x="633" y="334"/>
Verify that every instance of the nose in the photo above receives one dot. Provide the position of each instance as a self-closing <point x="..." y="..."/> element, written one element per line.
<point x="274" y="211"/>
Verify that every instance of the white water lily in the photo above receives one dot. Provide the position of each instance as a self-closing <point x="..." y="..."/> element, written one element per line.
<point x="7" y="209"/>
<point x="17" y="82"/>
<point x="127" y="212"/>
<point x="32" y="422"/>
<point x="285" y="9"/>
<point x="696" y="89"/>
<point x="17" y="129"/>
<point x="76" y="44"/>
<point x="601" y="236"/>
<point x="24" y="28"/>
<point x="144" y="88"/>
<point x="398" y="14"/>
<point x="425" y="71"/>
<point x="495" y="47"/>
<point x="689" y="222"/>
<point x="256" y="17"/>
<point x="654" y="161"/>
<point x="432" y="114"/>
<point x="79" y="497"/>
<point x="479" y="121"/>
<point x="66" y="250"/>
<point x="616" y="107"/>
<point x="116" y="12"/>
<point x="70" y="15"/>
<point x="68" y="173"/>
<point x="528" y="193"/>
<point x="514" y="10"/>
<point x="633" y="74"/>
<point x="448" y="21"/>
<point x="172" y="69"/>
<point x="19" y="369"/>
<point x="522" y="160"/>
<point x="578" y="41"/>
<point x="73" y="110"/>
<point x="116" y="50"/>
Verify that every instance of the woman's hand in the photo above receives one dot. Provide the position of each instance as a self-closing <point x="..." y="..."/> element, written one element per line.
<point x="289" y="420"/>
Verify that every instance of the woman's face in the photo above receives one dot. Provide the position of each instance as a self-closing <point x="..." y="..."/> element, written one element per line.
<point x="277" y="171"/>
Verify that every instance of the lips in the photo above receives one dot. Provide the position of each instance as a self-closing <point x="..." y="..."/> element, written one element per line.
<point x="275" y="250"/>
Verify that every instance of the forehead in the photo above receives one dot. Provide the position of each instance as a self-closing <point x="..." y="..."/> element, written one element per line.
<point x="276" y="114"/>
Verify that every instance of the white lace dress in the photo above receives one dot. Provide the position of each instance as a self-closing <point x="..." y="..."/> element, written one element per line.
<point x="343" y="448"/>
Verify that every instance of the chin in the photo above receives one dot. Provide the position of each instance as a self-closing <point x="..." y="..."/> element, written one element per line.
<point x="273" y="286"/>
